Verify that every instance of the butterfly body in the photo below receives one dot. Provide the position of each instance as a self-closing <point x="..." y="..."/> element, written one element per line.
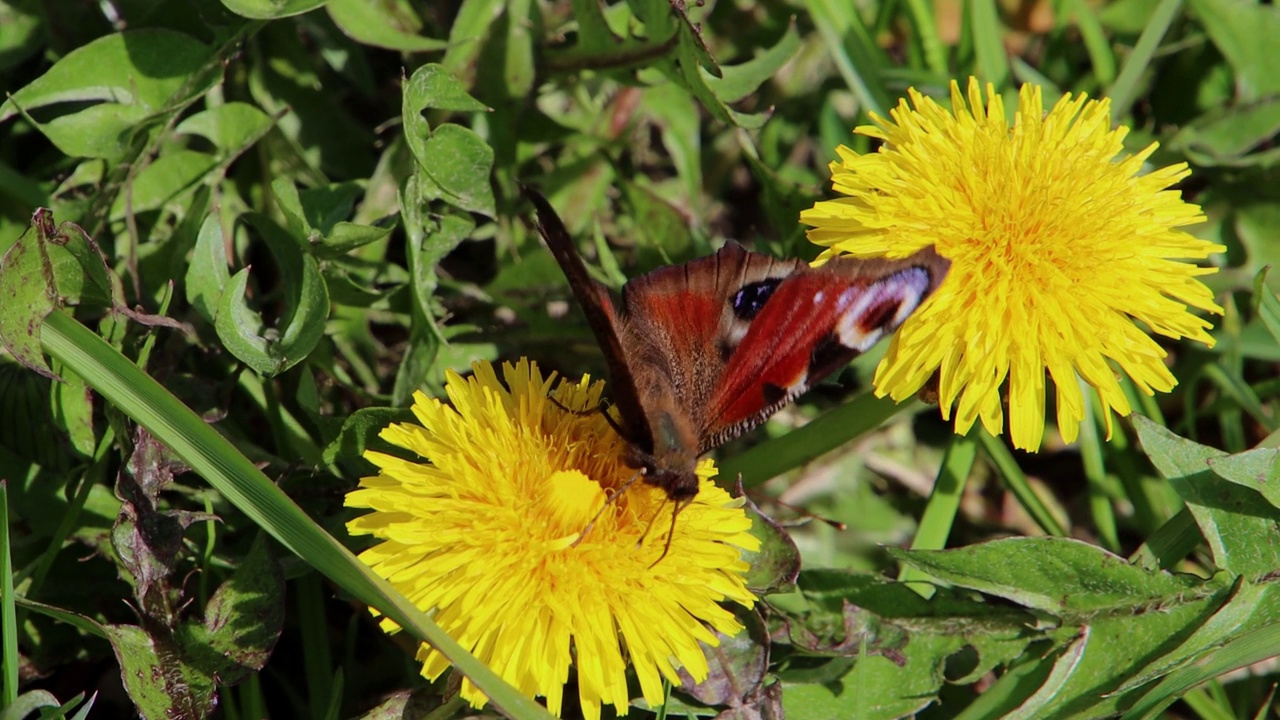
<point x="701" y="352"/>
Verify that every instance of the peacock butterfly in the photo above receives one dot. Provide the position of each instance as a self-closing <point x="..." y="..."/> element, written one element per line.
<point x="701" y="352"/>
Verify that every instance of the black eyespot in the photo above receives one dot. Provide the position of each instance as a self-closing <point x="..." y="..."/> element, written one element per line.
<point x="748" y="301"/>
<point x="827" y="355"/>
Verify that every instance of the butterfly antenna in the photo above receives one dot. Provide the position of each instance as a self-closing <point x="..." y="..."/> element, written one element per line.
<point x="805" y="515"/>
<point x="675" y="512"/>
<point x="609" y="499"/>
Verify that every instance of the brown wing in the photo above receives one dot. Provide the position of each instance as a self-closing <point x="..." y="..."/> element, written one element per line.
<point x="598" y="308"/>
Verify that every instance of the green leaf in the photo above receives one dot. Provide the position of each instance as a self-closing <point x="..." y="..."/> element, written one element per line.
<point x="1241" y="652"/>
<point x="47" y="267"/>
<point x="434" y="87"/>
<point x="455" y="165"/>
<point x="27" y="294"/>
<point x="1256" y="469"/>
<point x="1242" y="32"/>
<point x="242" y="620"/>
<point x="1250" y="608"/>
<point x="1056" y="575"/>
<point x="271" y="9"/>
<point x="230" y="127"/>
<point x="139" y="67"/>
<point x="369" y="22"/>
<point x="776" y="565"/>
<point x="360" y="432"/>
<point x="127" y="76"/>
<point x="1230" y="136"/>
<point x="159" y="682"/>
<point x="171" y="175"/>
<point x="739" y="81"/>
<point x="1267" y="304"/>
<point x="208" y="274"/>
<point x="302" y="322"/>
<point x="99" y="131"/>
<point x="1236" y="521"/>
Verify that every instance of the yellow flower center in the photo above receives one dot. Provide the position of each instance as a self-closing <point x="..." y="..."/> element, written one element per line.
<point x="572" y="500"/>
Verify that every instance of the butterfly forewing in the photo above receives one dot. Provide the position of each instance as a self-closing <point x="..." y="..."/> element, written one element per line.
<point x="811" y="325"/>
<point x="601" y="315"/>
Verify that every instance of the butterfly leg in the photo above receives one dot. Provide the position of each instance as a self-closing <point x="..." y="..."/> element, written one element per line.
<point x="599" y="408"/>
<point x="675" y="512"/>
<point x="608" y="500"/>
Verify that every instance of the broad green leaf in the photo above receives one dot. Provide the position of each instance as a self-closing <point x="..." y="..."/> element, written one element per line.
<point x="29" y="292"/>
<point x="139" y="67"/>
<point x="435" y="87"/>
<point x="776" y="565"/>
<point x="271" y="9"/>
<point x="209" y="273"/>
<point x="229" y="127"/>
<point x="1237" y="522"/>
<point x="98" y="131"/>
<point x="316" y="216"/>
<point x="1231" y="135"/>
<point x="739" y="81"/>
<point x="360" y="432"/>
<point x="126" y="76"/>
<point x="1258" y="470"/>
<point x="1267" y="304"/>
<point x="301" y="324"/>
<point x="1250" y="608"/>
<point x="454" y="167"/>
<point x="369" y="22"/>
<point x="49" y="266"/>
<point x="1055" y="575"/>
<point x="1243" y="32"/>
<point x="171" y="175"/>
<point x="430" y="239"/>
<point x="159" y="682"/>
<point x="242" y="620"/>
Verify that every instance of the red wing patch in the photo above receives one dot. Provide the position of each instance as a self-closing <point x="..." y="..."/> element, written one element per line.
<point x="813" y="324"/>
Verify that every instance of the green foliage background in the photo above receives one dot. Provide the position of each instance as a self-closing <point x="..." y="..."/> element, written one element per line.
<point x="291" y="215"/>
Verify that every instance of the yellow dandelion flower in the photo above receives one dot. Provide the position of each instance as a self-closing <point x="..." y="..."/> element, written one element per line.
<point x="1062" y="256"/>
<point x="489" y="536"/>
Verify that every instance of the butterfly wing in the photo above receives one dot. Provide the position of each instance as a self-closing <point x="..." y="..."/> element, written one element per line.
<point x="601" y="315"/>
<point x="799" y="330"/>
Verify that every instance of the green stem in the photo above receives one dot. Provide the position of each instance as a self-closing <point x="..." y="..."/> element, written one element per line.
<point x="1018" y="484"/>
<point x="944" y="501"/>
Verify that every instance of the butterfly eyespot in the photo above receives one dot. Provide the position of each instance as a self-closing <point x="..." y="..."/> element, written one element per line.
<point x="750" y="300"/>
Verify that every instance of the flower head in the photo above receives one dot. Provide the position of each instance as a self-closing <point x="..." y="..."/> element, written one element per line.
<point x="489" y="534"/>
<point x="1058" y="249"/>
